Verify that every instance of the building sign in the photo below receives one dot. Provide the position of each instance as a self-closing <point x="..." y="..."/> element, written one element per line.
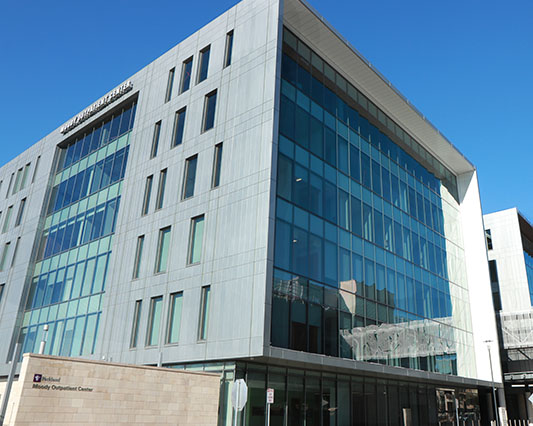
<point x="97" y="106"/>
<point x="48" y="383"/>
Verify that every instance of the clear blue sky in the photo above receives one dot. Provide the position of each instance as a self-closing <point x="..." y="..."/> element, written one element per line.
<point x="467" y="65"/>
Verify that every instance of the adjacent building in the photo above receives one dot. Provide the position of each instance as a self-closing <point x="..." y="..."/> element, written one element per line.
<point x="260" y="202"/>
<point x="510" y="249"/>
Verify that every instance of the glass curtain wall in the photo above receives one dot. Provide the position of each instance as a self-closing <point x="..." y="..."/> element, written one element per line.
<point x="361" y="256"/>
<point x="70" y="273"/>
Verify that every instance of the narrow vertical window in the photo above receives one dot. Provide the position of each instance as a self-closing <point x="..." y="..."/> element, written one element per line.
<point x="163" y="245"/>
<point x="161" y="189"/>
<point x="25" y="176"/>
<point x="488" y="238"/>
<point x="4" y="256"/>
<point x="174" y="317"/>
<point x="20" y="212"/>
<point x="35" y="169"/>
<point x="203" y="64"/>
<point x="10" y="183"/>
<point x="17" y="181"/>
<point x="7" y="219"/>
<point x="217" y="162"/>
<point x="155" y="139"/>
<point x="15" y="251"/>
<point x="138" y="257"/>
<point x="209" y="111"/>
<point x="204" y="313"/>
<point x="179" y="126"/>
<point x="1" y="291"/>
<point x="195" y="240"/>
<point x="190" y="177"/>
<point x="186" y="70"/>
<point x="229" y="49"/>
<point x="135" y="325"/>
<point x="154" y="321"/>
<point x="147" y="194"/>
<point x="170" y="83"/>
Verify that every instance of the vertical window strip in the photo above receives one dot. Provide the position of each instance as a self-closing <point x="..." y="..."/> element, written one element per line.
<point x="186" y="70"/>
<point x="2" y="286"/>
<point x="217" y="164"/>
<point x="155" y="139"/>
<point x="204" y="313"/>
<point x="147" y="194"/>
<point x="17" y="181"/>
<point x="208" y="121"/>
<point x="138" y="257"/>
<point x="203" y="64"/>
<point x="195" y="239"/>
<point x="170" y="83"/>
<point x="10" y="183"/>
<point x="190" y="177"/>
<point x="163" y="246"/>
<point x="25" y="176"/>
<point x="7" y="219"/>
<point x="4" y="255"/>
<point x="20" y="212"/>
<point x="154" y="323"/>
<point x="136" y="323"/>
<point x="35" y="169"/>
<point x="161" y="189"/>
<point x="15" y="251"/>
<point x="179" y="126"/>
<point x="229" y="49"/>
<point x="174" y="317"/>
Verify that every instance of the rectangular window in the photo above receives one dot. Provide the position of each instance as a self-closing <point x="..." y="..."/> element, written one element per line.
<point x="20" y="212"/>
<point x="174" y="317"/>
<point x="25" y="176"/>
<point x="4" y="256"/>
<point x="138" y="257"/>
<point x="155" y="139"/>
<point x="35" y="169"/>
<point x="17" y="181"/>
<point x="15" y="251"/>
<point x="147" y="194"/>
<point x="10" y="183"/>
<point x="204" y="313"/>
<point x="217" y="162"/>
<point x="179" y="127"/>
<point x="154" y="322"/>
<point x="186" y="70"/>
<point x="161" y="189"/>
<point x="210" y="102"/>
<point x="488" y="237"/>
<point x="7" y="219"/>
<point x="203" y="64"/>
<point x="170" y="83"/>
<point x="195" y="240"/>
<point x="136" y="322"/>
<point x="229" y="49"/>
<point x="2" y="286"/>
<point x="190" y="177"/>
<point x="163" y="245"/>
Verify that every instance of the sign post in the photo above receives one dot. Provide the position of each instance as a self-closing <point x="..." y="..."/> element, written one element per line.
<point x="270" y="400"/>
<point x="239" y="395"/>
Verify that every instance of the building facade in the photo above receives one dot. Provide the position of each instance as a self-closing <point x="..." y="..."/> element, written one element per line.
<point x="261" y="202"/>
<point x="510" y="249"/>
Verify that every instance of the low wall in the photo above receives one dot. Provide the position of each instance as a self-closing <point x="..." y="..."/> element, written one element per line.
<point x="57" y="390"/>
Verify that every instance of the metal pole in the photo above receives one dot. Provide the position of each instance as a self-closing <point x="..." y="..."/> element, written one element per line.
<point x="493" y="387"/>
<point x="9" y="383"/>
<point x="268" y="414"/>
<point x="237" y="403"/>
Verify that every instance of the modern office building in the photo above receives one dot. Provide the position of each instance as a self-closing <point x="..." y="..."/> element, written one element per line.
<point x="259" y="201"/>
<point x="510" y="249"/>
